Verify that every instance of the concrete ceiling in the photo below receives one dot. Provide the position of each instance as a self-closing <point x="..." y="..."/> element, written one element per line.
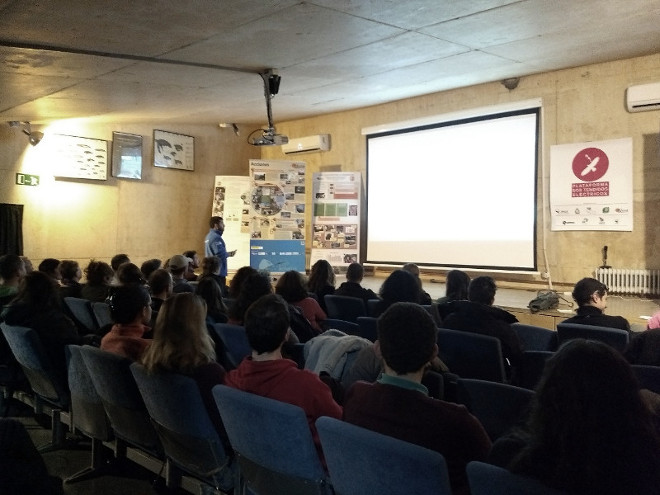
<point x="166" y="60"/>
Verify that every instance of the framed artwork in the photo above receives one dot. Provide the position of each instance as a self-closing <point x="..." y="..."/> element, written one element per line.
<point x="79" y="158"/>
<point x="126" y="155"/>
<point x="172" y="150"/>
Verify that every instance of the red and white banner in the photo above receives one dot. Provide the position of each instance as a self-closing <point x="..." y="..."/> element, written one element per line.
<point x="591" y="185"/>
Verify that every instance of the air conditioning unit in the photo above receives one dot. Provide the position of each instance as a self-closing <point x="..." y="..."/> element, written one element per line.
<point x="643" y="97"/>
<point x="320" y="142"/>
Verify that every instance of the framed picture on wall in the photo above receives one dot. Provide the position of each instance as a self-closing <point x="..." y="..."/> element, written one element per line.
<point x="126" y="155"/>
<point x="172" y="150"/>
<point x="77" y="157"/>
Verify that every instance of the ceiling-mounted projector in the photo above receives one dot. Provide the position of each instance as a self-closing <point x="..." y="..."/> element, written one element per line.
<point x="269" y="139"/>
<point x="268" y="136"/>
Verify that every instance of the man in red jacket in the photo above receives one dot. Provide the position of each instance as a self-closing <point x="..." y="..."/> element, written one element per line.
<point x="268" y="374"/>
<point x="398" y="405"/>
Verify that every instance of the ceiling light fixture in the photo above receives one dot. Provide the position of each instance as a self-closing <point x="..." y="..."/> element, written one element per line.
<point x="34" y="137"/>
<point x="268" y="136"/>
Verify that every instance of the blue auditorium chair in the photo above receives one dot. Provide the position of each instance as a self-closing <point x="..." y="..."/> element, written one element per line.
<point x="498" y="406"/>
<point x="88" y="416"/>
<point x="123" y="403"/>
<point x="614" y="337"/>
<point x="235" y="344"/>
<point x="535" y="338"/>
<point x="364" y="462"/>
<point x="344" y="307"/>
<point x="471" y="355"/>
<point x="190" y="440"/>
<point x="273" y="443"/>
<point x="51" y="394"/>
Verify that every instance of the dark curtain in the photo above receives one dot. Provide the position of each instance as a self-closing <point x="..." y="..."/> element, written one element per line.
<point x="11" y="229"/>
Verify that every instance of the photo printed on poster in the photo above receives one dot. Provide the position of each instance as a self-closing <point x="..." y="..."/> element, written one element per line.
<point x="336" y="220"/>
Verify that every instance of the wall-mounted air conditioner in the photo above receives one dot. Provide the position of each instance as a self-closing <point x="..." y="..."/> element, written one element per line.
<point x="643" y="97"/>
<point x="320" y="142"/>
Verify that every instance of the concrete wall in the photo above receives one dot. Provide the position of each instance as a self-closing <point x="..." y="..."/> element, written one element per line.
<point x="163" y="214"/>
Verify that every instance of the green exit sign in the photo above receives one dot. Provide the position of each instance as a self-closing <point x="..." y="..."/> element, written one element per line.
<point x="27" y="180"/>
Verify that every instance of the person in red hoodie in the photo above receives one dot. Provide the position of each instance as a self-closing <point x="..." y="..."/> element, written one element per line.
<point x="268" y="374"/>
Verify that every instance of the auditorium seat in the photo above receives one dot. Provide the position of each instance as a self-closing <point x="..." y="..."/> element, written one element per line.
<point x="344" y="307"/>
<point x="273" y="444"/>
<point x="535" y="338"/>
<point x="614" y="337"/>
<point x="190" y="440"/>
<point x="362" y="461"/>
<point x="471" y="355"/>
<point x="50" y="390"/>
<point x="498" y="406"/>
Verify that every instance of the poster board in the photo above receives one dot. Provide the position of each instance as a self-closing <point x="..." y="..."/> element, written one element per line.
<point x="336" y="217"/>
<point x="591" y="186"/>
<point x="230" y="199"/>
<point x="275" y="215"/>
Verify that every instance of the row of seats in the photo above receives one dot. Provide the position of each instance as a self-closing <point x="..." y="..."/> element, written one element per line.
<point x="117" y="404"/>
<point x="90" y="316"/>
<point x="105" y="385"/>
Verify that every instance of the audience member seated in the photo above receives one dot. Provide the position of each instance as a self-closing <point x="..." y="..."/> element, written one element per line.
<point x="51" y="267"/>
<point x="211" y="269"/>
<point x="28" y="264"/>
<point x="478" y="315"/>
<point x="456" y="287"/>
<point x="36" y="306"/>
<point x="268" y="374"/>
<point x="399" y="286"/>
<point x="160" y="285"/>
<point x="654" y="321"/>
<point x="12" y="271"/>
<point x="130" y="306"/>
<point x="352" y="287"/>
<point x="321" y="281"/>
<point x="255" y="285"/>
<point x="129" y="274"/>
<point x="99" y="276"/>
<point x="178" y="264"/>
<point x="291" y="286"/>
<point x="71" y="275"/>
<point x="424" y="297"/>
<point x="181" y="344"/>
<point x="150" y="266"/>
<point x="368" y="366"/>
<point x="237" y="280"/>
<point x="209" y="290"/>
<point x="398" y="404"/>
<point x="591" y="298"/>
<point x="117" y="260"/>
<point x="644" y="348"/>
<point x="589" y="430"/>
<point x="193" y="265"/>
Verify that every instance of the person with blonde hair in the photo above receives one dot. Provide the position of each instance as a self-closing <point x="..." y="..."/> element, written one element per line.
<point x="182" y="344"/>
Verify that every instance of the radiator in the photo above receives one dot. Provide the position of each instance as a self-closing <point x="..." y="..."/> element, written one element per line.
<point x="629" y="281"/>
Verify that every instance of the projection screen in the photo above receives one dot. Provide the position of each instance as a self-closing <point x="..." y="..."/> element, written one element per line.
<point x="458" y="193"/>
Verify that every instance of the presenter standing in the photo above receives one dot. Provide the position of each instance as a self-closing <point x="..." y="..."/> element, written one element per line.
<point x="214" y="245"/>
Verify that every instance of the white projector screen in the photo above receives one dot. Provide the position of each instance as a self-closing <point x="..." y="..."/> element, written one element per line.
<point x="455" y="194"/>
